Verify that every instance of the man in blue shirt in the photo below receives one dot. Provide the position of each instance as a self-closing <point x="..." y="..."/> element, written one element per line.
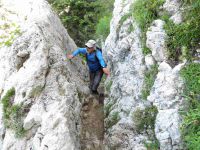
<point x="95" y="62"/>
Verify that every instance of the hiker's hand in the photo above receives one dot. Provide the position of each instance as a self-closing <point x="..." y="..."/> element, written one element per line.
<point x="70" y="56"/>
<point x="106" y="71"/>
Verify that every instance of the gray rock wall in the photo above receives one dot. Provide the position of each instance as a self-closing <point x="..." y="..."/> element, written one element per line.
<point x="33" y="61"/>
<point x="124" y="53"/>
<point x="128" y="65"/>
<point x="35" y="65"/>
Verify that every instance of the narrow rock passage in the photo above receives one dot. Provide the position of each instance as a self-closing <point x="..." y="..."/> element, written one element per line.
<point x="92" y="131"/>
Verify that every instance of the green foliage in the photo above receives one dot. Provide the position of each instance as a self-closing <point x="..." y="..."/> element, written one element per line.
<point x="12" y="114"/>
<point x="15" y="122"/>
<point x="113" y="120"/>
<point x="79" y="17"/>
<point x="145" y="121"/>
<point x="153" y="145"/>
<point x="106" y="7"/>
<point x="103" y="27"/>
<point x="105" y="15"/>
<point x="191" y="128"/>
<point x="85" y="19"/>
<point x="108" y="85"/>
<point x="6" y="101"/>
<point x="144" y="12"/>
<point x="149" y="79"/>
<point x="184" y="38"/>
<point x="108" y="109"/>
<point x="11" y="31"/>
<point x="124" y="18"/>
<point x="191" y="119"/>
<point x="191" y="74"/>
<point x="148" y="116"/>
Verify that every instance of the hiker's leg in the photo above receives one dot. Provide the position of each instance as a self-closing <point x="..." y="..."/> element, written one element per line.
<point x="97" y="80"/>
<point x="92" y="75"/>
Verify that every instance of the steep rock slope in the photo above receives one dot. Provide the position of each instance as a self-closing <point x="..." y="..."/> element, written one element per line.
<point x="126" y="107"/>
<point x="32" y="61"/>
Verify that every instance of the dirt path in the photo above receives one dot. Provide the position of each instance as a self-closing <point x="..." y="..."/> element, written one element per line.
<point x="92" y="131"/>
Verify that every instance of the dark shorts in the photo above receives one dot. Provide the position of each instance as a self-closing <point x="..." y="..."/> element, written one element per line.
<point x="95" y="79"/>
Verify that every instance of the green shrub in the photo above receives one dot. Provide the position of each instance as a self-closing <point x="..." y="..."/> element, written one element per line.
<point x="84" y="19"/>
<point x="79" y="17"/>
<point x="149" y="79"/>
<point x="183" y="39"/>
<point x="145" y="122"/>
<point x="191" y="118"/>
<point x="108" y="109"/>
<point x="191" y="128"/>
<point x="152" y="145"/>
<point x="144" y="12"/>
<point x="113" y="120"/>
<point x="148" y="116"/>
<point x="108" y="85"/>
<point x="105" y="15"/>
<point x="124" y="18"/>
<point x="191" y="74"/>
<point x="15" y="122"/>
<point x="7" y="103"/>
<point x="103" y="27"/>
<point x="13" y="114"/>
<point x="178" y="41"/>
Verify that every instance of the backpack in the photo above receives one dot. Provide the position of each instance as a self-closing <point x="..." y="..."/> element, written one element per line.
<point x="95" y="54"/>
<point x="99" y="49"/>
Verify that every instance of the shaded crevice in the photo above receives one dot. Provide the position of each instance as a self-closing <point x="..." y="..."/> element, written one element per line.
<point x="22" y="60"/>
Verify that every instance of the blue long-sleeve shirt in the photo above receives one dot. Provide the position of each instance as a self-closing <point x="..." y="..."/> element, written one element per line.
<point x="95" y="60"/>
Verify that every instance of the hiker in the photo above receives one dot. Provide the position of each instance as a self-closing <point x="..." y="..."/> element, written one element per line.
<point x="95" y="62"/>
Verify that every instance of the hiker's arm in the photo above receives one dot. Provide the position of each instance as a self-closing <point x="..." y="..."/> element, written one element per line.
<point x="106" y="71"/>
<point x="102" y="63"/>
<point x="76" y="52"/>
<point x="101" y="60"/>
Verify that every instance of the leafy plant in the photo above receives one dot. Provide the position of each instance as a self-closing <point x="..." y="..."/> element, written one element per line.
<point x="105" y="15"/>
<point x="7" y="103"/>
<point x="191" y="118"/>
<point x="148" y="116"/>
<point x="79" y="17"/>
<point x="103" y="27"/>
<point x="113" y="120"/>
<point x="145" y="122"/>
<point x="152" y="145"/>
<point x="108" y="85"/>
<point x="183" y="39"/>
<point x="13" y="114"/>
<point x="149" y="79"/>
<point x="108" y="109"/>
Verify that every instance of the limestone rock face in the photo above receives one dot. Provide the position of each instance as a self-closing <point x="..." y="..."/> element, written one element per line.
<point x="124" y="54"/>
<point x="34" y="64"/>
<point x="52" y="88"/>
<point x="167" y="98"/>
<point x="156" y="37"/>
<point x="123" y="51"/>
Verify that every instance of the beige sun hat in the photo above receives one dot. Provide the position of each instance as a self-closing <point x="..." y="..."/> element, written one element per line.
<point x="91" y="43"/>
